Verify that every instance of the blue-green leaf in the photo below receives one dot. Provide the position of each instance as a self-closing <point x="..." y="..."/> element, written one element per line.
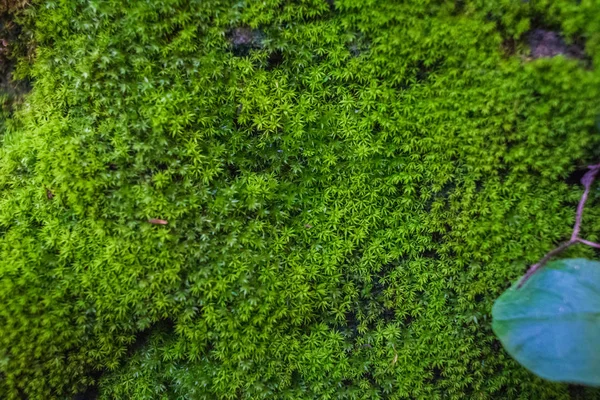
<point x="551" y="325"/>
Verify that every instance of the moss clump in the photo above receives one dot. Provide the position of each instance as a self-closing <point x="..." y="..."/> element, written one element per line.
<point x="346" y="196"/>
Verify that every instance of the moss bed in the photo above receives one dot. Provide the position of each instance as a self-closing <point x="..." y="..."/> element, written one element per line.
<point x="287" y="199"/>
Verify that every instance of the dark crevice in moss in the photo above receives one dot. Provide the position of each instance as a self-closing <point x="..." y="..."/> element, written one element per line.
<point x="274" y="60"/>
<point x="142" y="337"/>
<point x="479" y="298"/>
<point x="424" y="71"/>
<point x="580" y="392"/>
<point x="459" y="7"/>
<point x="574" y="177"/>
<point x="92" y="391"/>
<point x="370" y="378"/>
<point x="14" y="44"/>
<point x="141" y="343"/>
<point x="434" y="376"/>
<point x="510" y="46"/>
<point x="369" y="309"/>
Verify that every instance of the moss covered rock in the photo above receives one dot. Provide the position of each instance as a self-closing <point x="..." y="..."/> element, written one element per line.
<point x="286" y="199"/>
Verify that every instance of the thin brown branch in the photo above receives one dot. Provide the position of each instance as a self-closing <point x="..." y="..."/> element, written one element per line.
<point x="588" y="243"/>
<point x="532" y="270"/>
<point x="587" y="180"/>
<point x="579" y="214"/>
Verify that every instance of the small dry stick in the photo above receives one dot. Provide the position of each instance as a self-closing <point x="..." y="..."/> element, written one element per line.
<point x="587" y="181"/>
<point x="156" y="221"/>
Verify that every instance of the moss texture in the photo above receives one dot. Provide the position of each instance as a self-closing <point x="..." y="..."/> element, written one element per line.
<point x="348" y="186"/>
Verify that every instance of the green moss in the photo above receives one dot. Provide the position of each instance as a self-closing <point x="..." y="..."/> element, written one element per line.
<point x="347" y="191"/>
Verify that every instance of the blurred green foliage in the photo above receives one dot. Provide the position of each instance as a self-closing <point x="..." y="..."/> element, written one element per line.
<point x="348" y="187"/>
